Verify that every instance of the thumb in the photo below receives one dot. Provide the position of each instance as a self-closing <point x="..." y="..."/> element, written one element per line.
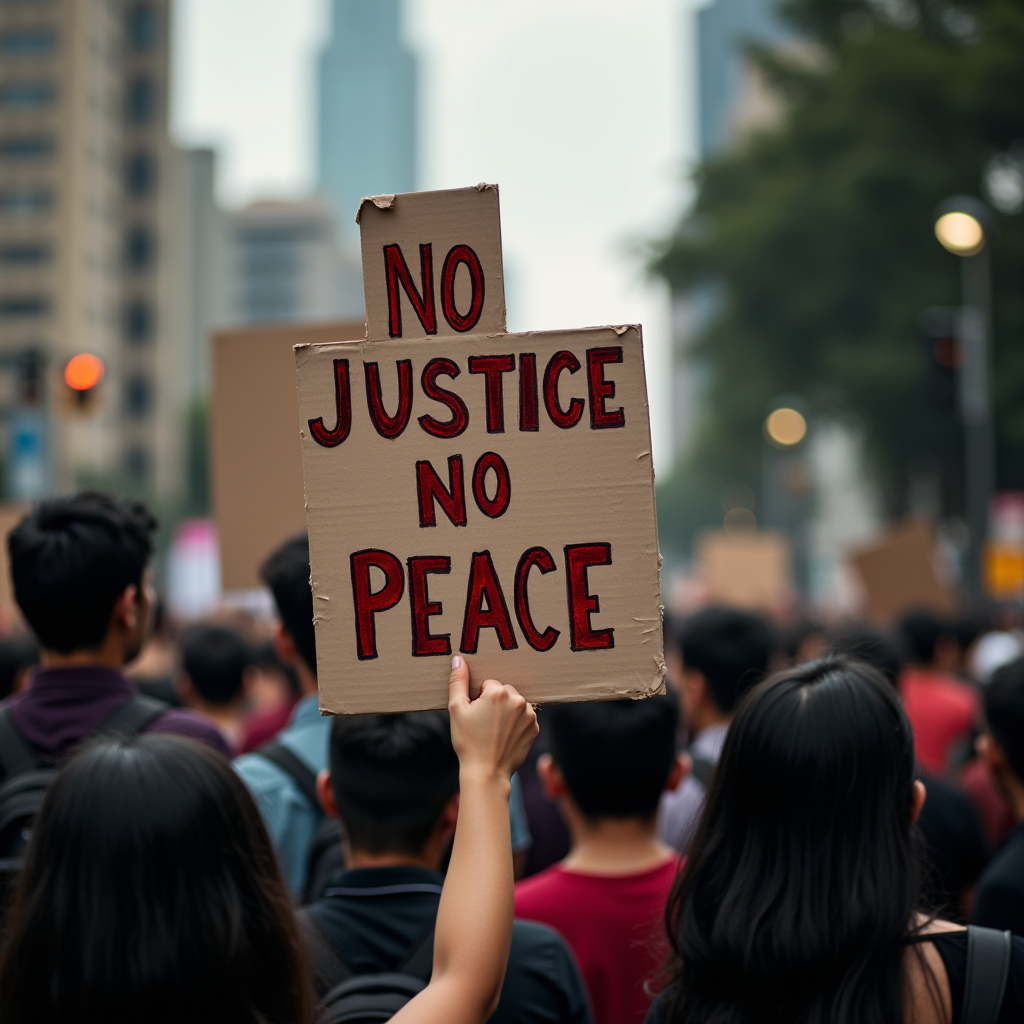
<point x="458" y="682"/>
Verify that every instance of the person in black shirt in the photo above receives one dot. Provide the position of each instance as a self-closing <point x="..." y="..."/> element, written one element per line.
<point x="1001" y="745"/>
<point x="394" y="783"/>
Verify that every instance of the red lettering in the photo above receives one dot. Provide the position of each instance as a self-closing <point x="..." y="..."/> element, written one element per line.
<point x="496" y="506"/>
<point x="583" y="604"/>
<point x="529" y="416"/>
<point x="396" y="272"/>
<point x="366" y="602"/>
<point x="564" y="418"/>
<point x="385" y="425"/>
<point x="442" y="367"/>
<point x="484" y="585"/>
<point x="429" y="489"/>
<point x="343" y="404"/>
<point x="601" y="389"/>
<point x="541" y="558"/>
<point x="464" y="255"/>
<point x="493" y="367"/>
<point x="425" y="643"/>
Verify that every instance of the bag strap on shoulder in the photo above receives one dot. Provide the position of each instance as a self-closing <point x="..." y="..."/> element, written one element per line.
<point x="16" y="755"/>
<point x="331" y="970"/>
<point x="988" y="967"/>
<point x="300" y="773"/>
<point x="419" y="961"/>
<point x="132" y="717"/>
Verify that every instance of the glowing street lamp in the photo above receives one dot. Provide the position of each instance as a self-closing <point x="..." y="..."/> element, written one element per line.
<point x="81" y="374"/>
<point x="961" y="233"/>
<point x="785" y="427"/>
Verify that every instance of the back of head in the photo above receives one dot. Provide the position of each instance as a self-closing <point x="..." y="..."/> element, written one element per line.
<point x="150" y="892"/>
<point x="1004" y="712"/>
<point x="392" y="776"/>
<point x="921" y="631"/>
<point x="802" y="880"/>
<point x="286" y="573"/>
<point x="730" y="648"/>
<point x="215" y="659"/>
<point x="871" y="645"/>
<point x="615" y="755"/>
<point x="72" y="558"/>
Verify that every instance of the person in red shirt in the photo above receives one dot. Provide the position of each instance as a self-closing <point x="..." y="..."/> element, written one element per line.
<point x="942" y="710"/>
<point x="610" y="763"/>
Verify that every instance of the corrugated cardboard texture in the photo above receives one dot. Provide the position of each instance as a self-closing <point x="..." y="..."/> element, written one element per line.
<point x="579" y="485"/>
<point x="256" y="469"/>
<point x="747" y="570"/>
<point x="898" y="574"/>
<point x="440" y="222"/>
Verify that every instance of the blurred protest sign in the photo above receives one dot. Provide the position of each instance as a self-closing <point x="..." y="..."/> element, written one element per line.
<point x="473" y="491"/>
<point x="747" y="569"/>
<point x="898" y="573"/>
<point x="256" y="469"/>
<point x="1004" y="555"/>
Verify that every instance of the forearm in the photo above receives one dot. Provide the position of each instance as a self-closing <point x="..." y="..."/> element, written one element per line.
<point x="474" y="920"/>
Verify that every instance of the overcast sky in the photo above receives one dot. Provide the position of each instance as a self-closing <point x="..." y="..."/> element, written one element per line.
<point x="584" y="115"/>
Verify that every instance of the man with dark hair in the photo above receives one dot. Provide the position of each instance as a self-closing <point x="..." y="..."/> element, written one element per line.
<point x="394" y="783"/>
<point x="214" y="661"/>
<point x="714" y="657"/>
<point x="1000" y="901"/>
<point x="609" y="764"/>
<point x="282" y="775"/>
<point x="941" y="709"/>
<point x="79" y="567"/>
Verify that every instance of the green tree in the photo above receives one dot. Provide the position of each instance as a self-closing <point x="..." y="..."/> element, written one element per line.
<point x="816" y="236"/>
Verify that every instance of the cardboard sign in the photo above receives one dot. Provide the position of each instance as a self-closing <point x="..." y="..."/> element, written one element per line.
<point x="473" y="491"/>
<point x="747" y="570"/>
<point x="256" y="460"/>
<point x="898" y="574"/>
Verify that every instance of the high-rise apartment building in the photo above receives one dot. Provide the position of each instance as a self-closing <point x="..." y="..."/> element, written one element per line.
<point x="91" y="245"/>
<point x="366" y="129"/>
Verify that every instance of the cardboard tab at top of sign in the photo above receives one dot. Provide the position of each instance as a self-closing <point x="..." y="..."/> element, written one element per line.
<point x="432" y="264"/>
<point x="475" y="491"/>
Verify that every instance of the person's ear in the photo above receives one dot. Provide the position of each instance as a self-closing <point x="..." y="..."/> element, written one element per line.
<point x="127" y="609"/>
<point x="991" y="753"/>
<point x="185" y="689"/>
<point x="449" y="816"/>
<point x="917" y="799"/>
<point x="285" y="645"/>
<point x="551" y="778"/>
<point x="325" y="794"/>
<point x="681" y="767"/>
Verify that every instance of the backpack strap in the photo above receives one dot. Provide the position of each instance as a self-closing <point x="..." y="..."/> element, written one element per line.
<point x="330" y="969"/>
<point x="988" y="967"/>
<point x="132" y="717"/>
<point x="419" y="961"/>
<point x="295" y="768"/>
<point x="16" y="756"/>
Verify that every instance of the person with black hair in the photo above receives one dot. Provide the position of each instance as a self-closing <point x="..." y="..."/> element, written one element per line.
<point x="798" y="902"/>
<point x="283" y="782"/>
<point x="19" y="655"/>
<point x="609" y="764"/>
<point x="714" y="657"/>
<point x="394" y="784"/>
<point x="1000" y="901"/>
<point x="80" y="572"/>
<point x="941" y="708"/>
<point x="151" y="891"/>
<point x="214" y="661"/>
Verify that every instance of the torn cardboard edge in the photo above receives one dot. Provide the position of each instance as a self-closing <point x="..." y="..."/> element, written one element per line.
<point x="387" y="201"/>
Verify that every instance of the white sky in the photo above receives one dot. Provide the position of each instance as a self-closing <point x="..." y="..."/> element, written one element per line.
<point x="581" y="110"/>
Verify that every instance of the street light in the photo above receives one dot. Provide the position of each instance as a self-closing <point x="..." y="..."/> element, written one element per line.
<point x="963" y="224"/>
<point x="785" y="427"/>
<point x="786" y="478"/>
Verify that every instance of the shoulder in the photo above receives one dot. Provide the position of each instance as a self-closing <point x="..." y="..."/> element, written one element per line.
<point x="540" y="885"/>
<point x="1006" y="869"/>
<point x="186" y="723"/>
<point x="263" y="777"/>
<point x="543" y="981"/>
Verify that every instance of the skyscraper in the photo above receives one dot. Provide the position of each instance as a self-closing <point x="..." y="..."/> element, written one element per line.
<point x="366" y="131"/>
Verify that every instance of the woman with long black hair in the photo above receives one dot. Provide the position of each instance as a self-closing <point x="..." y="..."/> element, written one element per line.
<point x="150" y="891"/>
<point x="799" y="901"/>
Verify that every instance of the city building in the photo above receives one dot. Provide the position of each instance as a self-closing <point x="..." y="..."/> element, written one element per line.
<point x="92" y="245"/>
<point x="285" y="264"/>
<point x="366" y="127"/>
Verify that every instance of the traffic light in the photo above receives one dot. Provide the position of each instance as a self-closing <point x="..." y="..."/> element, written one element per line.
<point x="82" y="374"/>
<point x="940" y="334"/>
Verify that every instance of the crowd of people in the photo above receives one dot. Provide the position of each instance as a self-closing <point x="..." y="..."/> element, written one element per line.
<point x="819" y="824"/>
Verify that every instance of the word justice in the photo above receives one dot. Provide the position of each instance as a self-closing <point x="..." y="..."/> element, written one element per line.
<point x="538" y="387"/>
<point x="485" y="606"/>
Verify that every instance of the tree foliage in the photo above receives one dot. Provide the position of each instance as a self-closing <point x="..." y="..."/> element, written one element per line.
<point x="817" y="236"/>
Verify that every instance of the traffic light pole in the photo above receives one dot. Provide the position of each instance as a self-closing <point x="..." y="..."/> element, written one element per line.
<point x="976" y="411"/>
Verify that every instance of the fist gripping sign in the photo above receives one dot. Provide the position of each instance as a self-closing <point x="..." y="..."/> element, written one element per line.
<point x="473" y="491"/>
